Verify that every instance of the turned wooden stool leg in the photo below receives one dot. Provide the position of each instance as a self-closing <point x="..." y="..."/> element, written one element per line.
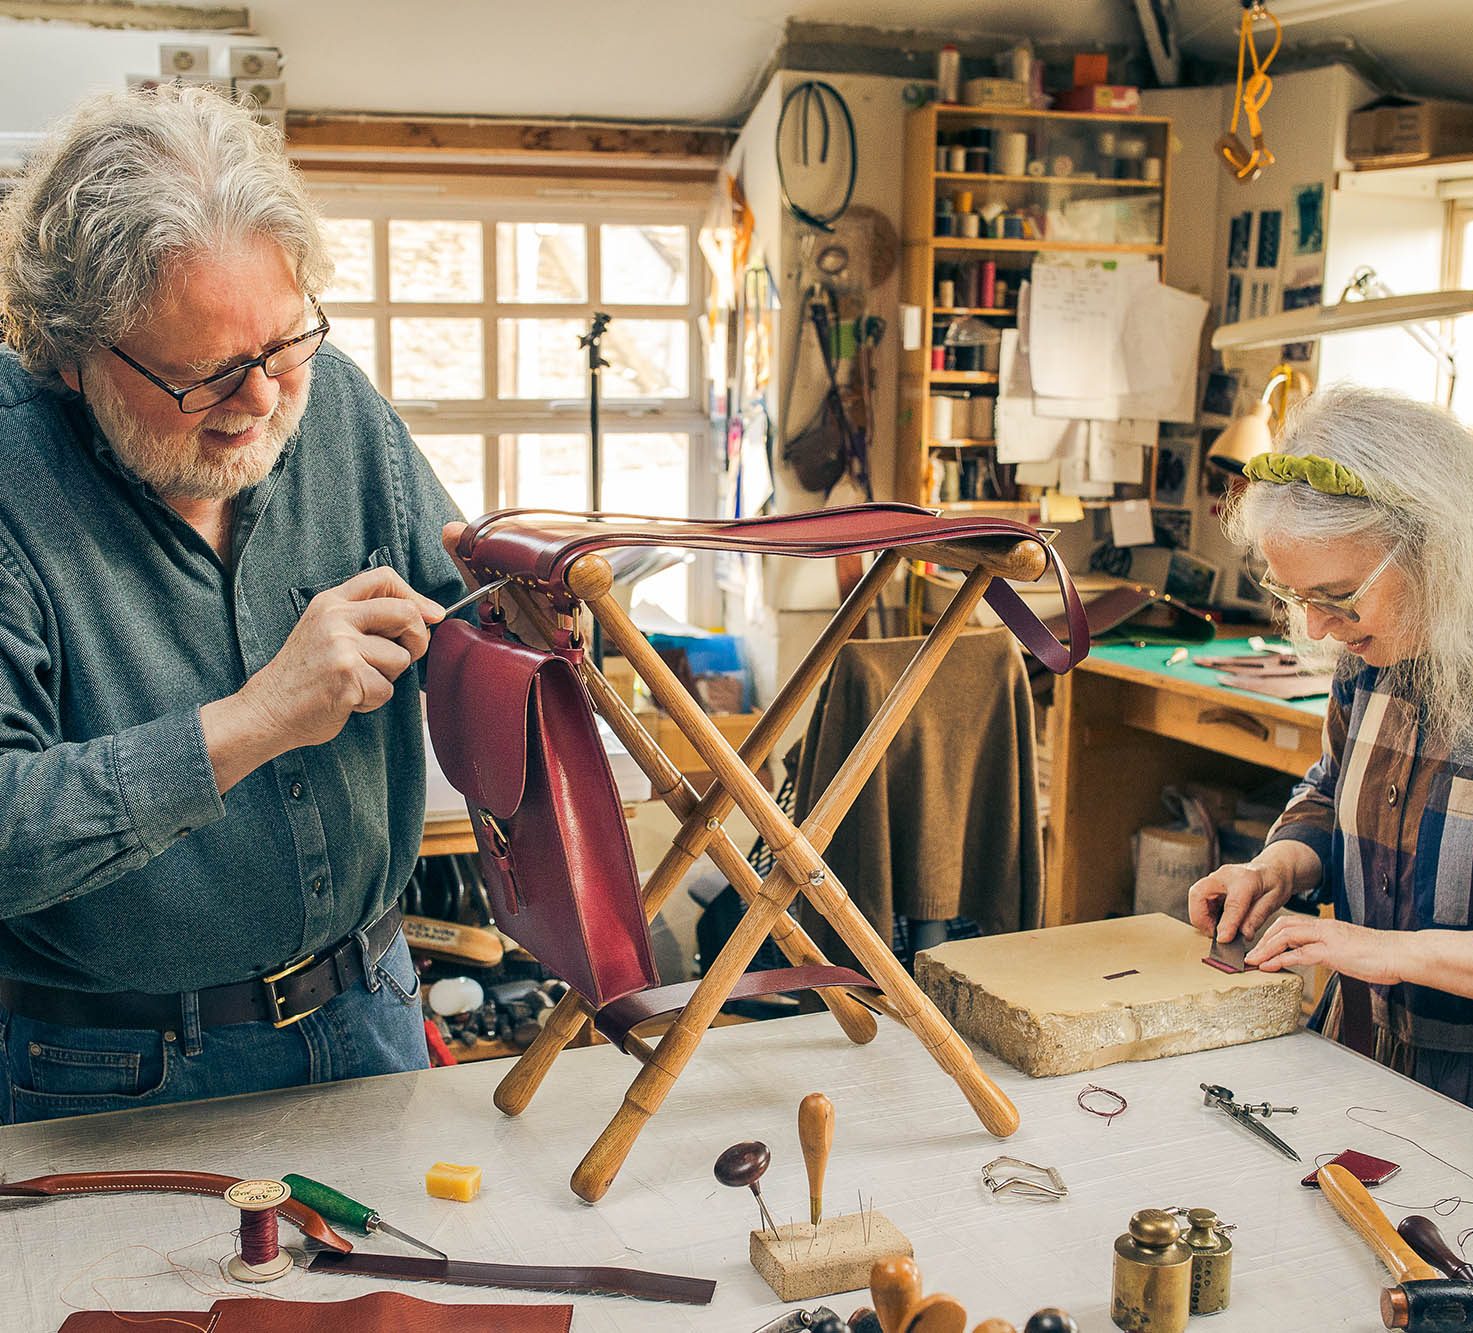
<point x="798" y="868"/>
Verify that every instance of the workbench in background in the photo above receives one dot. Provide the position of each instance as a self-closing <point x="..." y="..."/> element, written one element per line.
<point x="1124" y="725"/>
<point x="904" y="1139"/>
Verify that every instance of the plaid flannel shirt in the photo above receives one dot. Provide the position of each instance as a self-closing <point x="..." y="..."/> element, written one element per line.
<point x="1389" y="812"/>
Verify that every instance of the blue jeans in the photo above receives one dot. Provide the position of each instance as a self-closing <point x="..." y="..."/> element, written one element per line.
<point x="374" y="1027"/>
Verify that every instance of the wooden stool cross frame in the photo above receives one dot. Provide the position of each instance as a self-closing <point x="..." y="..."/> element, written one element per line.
<point x="517" y="765"/>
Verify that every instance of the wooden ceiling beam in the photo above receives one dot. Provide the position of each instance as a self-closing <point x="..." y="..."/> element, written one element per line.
<point x="133" y="14"/>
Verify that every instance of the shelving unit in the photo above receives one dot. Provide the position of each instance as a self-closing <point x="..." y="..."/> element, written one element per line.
<point x="1035" y="195"/>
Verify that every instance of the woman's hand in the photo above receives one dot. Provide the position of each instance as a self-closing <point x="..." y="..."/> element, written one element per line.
<point x="1356" y="951"/>
<point x="1237" y="899"/>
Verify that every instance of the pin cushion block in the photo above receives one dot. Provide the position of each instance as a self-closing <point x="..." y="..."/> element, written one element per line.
<point x="446" y="1180"/>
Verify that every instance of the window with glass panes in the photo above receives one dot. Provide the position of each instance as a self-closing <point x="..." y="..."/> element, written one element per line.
<point x="466" y="311"/>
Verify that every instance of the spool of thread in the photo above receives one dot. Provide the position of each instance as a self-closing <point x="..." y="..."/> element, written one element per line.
<point x="1000" y="293"/>
<point x="1151" y="169"/>
<point x="1012" y="226"/>
<point x="946" y="293"/>
<point x="941" y="417"/>
<point x="1037" y="167"/>
<point x="943" y="156"/>
<point x="938" y="358"/>
<point x="963" y="201"/>
<point x="1062" y="165"/>
<point x="988" y="295"/>
<point x="956" y="157"/>
<point x="977" y="159"/>
<point x="949" y="73"/>
<point x="260" y="1259"/>
<point x="970" y="224"/>
<point x="951" y="481"/>
<point x="1012" y="153"/>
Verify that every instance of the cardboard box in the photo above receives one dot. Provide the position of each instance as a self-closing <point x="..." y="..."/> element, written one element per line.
<point x="986" y="91"/>
<point x="260" y="92"/>
<point x="1102" y="98"/>
<point x="255" y="62"/>
<point x="1398" y="130"/>
<point x="184" y="60"/>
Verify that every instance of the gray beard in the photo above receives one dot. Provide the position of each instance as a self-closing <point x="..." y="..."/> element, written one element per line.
<point x="178" y="468"/>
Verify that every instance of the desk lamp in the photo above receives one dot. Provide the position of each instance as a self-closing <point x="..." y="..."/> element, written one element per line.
<point x="1252" y="433"/>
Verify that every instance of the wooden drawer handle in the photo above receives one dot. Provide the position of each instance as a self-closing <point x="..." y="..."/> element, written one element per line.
<point x="1231" y="717"/>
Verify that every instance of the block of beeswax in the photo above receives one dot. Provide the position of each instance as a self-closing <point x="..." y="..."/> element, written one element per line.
<point x="446" y="1180"/>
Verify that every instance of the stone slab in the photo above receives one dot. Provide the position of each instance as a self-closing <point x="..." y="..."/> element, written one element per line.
<point x="1070" y="998"/>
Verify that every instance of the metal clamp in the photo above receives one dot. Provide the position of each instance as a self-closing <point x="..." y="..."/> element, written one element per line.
<point x="821" y="1320"/>
<point x="1046" y="1183"/>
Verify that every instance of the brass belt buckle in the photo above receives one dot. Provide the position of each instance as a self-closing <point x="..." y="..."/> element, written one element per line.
<point x="269" y="985"/>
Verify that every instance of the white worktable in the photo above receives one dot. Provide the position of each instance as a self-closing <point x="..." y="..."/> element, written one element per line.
<point x="904" y="1136"/>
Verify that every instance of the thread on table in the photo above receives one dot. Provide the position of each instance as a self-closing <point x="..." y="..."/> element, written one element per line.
<point x="1106" y="1113"/>
<point x="258" y="1236"/>
<point x="1445" y="1206"/>
<point x="193" y="1278"/>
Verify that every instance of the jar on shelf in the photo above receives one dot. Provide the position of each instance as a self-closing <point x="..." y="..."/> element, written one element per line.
<point x="971" y="344"/>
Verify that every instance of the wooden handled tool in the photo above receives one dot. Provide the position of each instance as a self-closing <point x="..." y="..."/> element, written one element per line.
<point x="743" y="1165"/>
<point x="937" y="1314"/>
<point x="1422" y="1234"/>
<point x="1354" y="1203"/>
<point x="895" y="1288"/>
<point x="816" y="1135"/>
<point x="994" y="1326"/>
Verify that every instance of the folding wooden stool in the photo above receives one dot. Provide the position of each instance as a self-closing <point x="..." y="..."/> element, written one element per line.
<point x="553" y="567"/>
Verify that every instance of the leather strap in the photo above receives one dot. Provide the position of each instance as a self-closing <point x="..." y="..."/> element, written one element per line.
<point x="255" y="1001"/>
<point x="618" y="1019"/>
<point x="520" y="1277"/>
<point x="539" y="547"/>
<point x="308" y="1222"/>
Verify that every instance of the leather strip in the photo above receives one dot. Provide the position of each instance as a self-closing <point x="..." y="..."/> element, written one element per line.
<point x="617" y="1020"/>
<point x="633" y="1282"/>
<point x="306" y="1220"/>
<point x="540" y="546"/>
<point x="236" y="1002"/>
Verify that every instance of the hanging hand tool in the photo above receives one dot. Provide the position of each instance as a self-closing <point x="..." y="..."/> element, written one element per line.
<point x="816" y="1135"/>
<point x="1222" y="1098"/>
<point x="348" y="1212"/>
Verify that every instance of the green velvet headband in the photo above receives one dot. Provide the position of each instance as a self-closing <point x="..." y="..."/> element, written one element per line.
<point x="1321" y="474"/>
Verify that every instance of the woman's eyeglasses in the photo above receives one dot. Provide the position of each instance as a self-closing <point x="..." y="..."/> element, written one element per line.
<point x="280" y="359"/>
<point x="1341" y="608"/>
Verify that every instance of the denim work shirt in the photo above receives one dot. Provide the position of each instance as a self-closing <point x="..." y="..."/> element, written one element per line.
<point x="1388" y="810"/>
<point x="121" y="866"/>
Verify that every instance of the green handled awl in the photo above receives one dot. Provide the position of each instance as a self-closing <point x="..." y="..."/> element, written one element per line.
<point x="342" y="1210"/>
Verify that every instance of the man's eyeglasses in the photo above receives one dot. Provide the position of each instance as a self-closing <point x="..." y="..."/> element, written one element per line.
<point x="280" y="359"/>
<point x="1341" y="608"/>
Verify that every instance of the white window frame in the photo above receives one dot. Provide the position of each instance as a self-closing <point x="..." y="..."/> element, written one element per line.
<point x="489" y="201"/>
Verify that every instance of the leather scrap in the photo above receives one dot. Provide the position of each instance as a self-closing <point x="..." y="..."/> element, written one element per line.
<point x="642" y="1286"/>
<point x="381" y="1312"/>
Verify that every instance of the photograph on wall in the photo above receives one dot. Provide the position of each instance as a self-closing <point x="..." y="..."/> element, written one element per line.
<point x="1232" y="307"/>
<point x="1214" y="480"/>
<point x="1239" y="232"/>
<point x="1176" y="465"/>
<point x="1263" y="296"/>
<point x="1297" y="298"/>
<point x="1220" y="397"/>
<point x="1309" y="219"/>
<point x="1173" y="528"/>
<point x="1270" y="228"/>
<point x="1191" y="579"/>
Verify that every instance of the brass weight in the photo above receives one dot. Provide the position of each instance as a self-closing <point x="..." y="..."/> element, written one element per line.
<point x="1153" y="1275"/>
<point x="1212" y="1261"/>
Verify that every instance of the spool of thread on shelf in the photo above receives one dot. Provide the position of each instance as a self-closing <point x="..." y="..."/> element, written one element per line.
<point x="260" y="1259"/>
<point x="949" y="74"/>
<point x="1012" y="153"/>
<point x="988" y="294"/>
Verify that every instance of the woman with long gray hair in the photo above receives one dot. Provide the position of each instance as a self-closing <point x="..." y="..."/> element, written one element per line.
<point x="1364" y="518"/>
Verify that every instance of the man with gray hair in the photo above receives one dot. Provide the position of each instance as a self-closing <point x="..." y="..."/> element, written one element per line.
<point x="220" y="555"/>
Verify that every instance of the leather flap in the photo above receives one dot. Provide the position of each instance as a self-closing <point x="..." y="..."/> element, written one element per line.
<point x="479" y="683"/>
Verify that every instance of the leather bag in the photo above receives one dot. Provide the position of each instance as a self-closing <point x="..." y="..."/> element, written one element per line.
<point x="513" y="729"/>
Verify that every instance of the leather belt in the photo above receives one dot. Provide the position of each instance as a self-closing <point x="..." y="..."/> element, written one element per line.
<point x="280" y="998"/>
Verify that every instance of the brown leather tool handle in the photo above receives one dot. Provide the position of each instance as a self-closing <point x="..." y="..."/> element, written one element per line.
<point x="1354" y="1203"/>
<point x="1231" y="717"/>
<point x="1423" y="1235"/>
<point x="308" y="1222"/>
